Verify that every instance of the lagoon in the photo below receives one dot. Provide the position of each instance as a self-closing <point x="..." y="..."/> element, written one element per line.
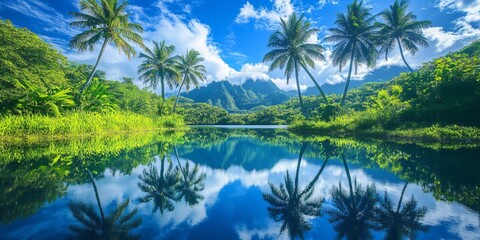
<point x="238" y="183"/>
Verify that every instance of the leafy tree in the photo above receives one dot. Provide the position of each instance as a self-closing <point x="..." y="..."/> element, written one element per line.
<point x="159" y="65"/>
<point x="291" y="51"/>
<point x="354" y="35"/>
<point x="401" y="28"/>
<point x="192" y="71"/>
<point x="104" y="20"/>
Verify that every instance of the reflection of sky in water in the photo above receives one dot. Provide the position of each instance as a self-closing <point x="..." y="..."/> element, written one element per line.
<point x="233" y="206"/>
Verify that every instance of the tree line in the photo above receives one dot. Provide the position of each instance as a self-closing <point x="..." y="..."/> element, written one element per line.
<point x="359" y="40"/>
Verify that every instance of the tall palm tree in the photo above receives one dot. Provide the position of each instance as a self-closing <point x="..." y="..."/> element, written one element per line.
<point x="291" y="51"/>
<point x="160" y="186"/>
<point x="354" y="35"/>
<point x="353" y="215"/>
<point x="191" y="69"/>
<point x="107" y="21"/>
<point x="401" y="28"/>
<point x="192" y="182"/>
<point x="159" y="65"/>
<point x="400" y="221"/>
<point x="290" y="205"/>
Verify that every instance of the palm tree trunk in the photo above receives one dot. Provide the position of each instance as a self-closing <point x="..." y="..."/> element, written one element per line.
<point x="401" y="197"/>
<point x="349" y="76"/>
<point x="96" y="195"/>
<point x="162" y="79"/>
<point x="162" y="167"/>
<point x="178" y="94"/>
<point x="302" y="107"/>
<point x="179" y="164"/>
<point x="403" y="57"/>
<point x="316" y="83"/>
<point x="95" y="66"/>
<point x="350" y="186"/>
<point x="315" y="179"/>
<point x="300" y="156"/>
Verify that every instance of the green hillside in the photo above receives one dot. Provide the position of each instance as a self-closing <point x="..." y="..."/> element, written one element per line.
<point x="235" y="98"/>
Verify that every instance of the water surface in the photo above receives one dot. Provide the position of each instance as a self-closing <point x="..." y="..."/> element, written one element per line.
<point x="216" y="183"/>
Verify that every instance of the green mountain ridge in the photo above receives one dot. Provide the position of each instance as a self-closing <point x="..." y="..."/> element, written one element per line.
<point x="238" y="98"/>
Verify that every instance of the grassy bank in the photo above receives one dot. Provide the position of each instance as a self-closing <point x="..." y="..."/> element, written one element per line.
<point x="352" y="128"/>
<point x="32" y="127"/>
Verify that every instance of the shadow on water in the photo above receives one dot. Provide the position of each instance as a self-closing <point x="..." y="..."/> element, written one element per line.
<point x="335" y="188"/>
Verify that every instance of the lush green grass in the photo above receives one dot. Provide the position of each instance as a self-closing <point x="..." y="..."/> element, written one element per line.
<point x="82" y="123"/>
<point x="356" y="126"/>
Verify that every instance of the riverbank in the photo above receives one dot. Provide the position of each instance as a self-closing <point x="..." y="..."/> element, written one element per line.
<point x="428" y="134"/>
<point x="33" y="128"/>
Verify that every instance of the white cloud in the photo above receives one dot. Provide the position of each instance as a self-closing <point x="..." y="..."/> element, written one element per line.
<point x="43" y="13"/>
<point x="262" y="17"/>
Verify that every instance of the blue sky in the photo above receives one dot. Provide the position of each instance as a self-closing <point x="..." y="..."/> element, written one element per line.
<point x="232" y="34"/>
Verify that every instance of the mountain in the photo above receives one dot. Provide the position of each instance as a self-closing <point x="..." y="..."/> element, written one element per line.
<point x="379" y="75"/>
<point x="235" y="98"/>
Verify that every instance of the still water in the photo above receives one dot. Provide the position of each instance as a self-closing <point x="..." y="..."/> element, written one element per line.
<point x="216" y="183"/>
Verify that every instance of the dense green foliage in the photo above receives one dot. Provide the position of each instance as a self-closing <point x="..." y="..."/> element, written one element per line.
<point x="27" y="59"/>
<point x="40" y="94"/>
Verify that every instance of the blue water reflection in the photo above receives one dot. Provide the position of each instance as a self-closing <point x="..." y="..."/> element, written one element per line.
<point x="258" y="184"/>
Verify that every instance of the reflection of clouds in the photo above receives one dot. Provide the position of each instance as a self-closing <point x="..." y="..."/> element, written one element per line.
<point x="269" y="230"/>
<point x="115" y="188"/>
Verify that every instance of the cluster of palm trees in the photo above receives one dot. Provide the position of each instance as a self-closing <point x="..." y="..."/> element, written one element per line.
<point x="170" y="184"/>
<point x="106" y="21"/>
<point x="353" y="212"/>
<point x="357" y="37"/>
<point x="359" y="40"/>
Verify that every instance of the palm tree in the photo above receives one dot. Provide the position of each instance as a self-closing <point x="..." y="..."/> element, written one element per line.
<point x="400" y="221"/>
<point x="193" y="182"/>
<point x="160" y="186"/>
<point x="402" y="28"/>
<point x="116" y="225"/>
<point x="354" y="36"/>
<point x="104" y="20"/>
<point x="189" y="66"/>
<point x="352" y="214"/>
<point x="290" y="205"/>
<point x="159" y="65"/>
<point x="291" y="51"/>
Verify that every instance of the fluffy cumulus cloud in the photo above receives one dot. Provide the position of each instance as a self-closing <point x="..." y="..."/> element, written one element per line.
<point x="464" y="31"/>
<point x="262" y="17"/>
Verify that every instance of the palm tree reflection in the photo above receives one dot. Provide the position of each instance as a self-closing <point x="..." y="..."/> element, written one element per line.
<point x="160" y="186"/>
<point x="353" y="213"/>
<point x="192" y="182"/>
<point x="292" y="206"/>
<point x="400" y="221"/>
<point x="115" y="225"/>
